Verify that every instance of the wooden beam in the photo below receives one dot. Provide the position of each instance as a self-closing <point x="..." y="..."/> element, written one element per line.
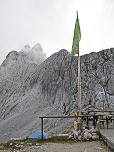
<point x="42" y="127"/>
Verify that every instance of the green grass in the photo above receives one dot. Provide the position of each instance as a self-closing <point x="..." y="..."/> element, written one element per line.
<point x="10" y="145"/>
<point x="56" y="139"/>
<point x="99" y="134"/>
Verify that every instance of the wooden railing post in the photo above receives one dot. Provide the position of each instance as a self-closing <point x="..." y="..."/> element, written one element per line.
<point x="42" y="127"/>
<point x="107" y="122"/>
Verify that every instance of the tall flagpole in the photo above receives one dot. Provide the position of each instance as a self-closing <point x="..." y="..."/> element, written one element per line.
<point x="75" y="50"/>
<point x="79" y="83"/>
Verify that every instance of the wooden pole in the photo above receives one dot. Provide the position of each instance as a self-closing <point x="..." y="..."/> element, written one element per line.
<point x="42" y="128"/>
<point x="79" y="85"/>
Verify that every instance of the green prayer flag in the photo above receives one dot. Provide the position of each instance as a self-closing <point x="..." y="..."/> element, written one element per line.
<point x="76" y="38"/>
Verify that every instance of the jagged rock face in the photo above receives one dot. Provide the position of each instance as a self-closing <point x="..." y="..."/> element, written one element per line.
<point x="15" y="92"/>
<point x="57" y="77"/>
<point x="29" y="90"/>
<point x="97" y="74"/>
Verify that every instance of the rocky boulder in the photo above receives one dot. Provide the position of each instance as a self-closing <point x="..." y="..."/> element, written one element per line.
<point x="84" y="135"/>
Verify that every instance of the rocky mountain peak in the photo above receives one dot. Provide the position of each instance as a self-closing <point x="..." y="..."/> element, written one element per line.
<point x="37" y="47"/>
<point x="29" y="90"/>
<point x="34" y="55"/>
<point x="12" y="56"/>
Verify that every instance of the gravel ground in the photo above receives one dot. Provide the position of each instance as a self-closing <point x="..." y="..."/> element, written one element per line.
<point x="94" y="146"/>
<point x="90" y="146"/>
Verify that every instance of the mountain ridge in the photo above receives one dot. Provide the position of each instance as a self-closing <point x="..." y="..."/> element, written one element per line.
<point x="29" y="90"/>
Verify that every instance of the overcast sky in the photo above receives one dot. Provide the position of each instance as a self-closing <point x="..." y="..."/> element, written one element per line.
<point x="51" y="23"/>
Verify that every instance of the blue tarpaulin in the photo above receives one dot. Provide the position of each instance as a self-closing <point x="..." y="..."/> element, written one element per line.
<point x="37" y="135"/>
